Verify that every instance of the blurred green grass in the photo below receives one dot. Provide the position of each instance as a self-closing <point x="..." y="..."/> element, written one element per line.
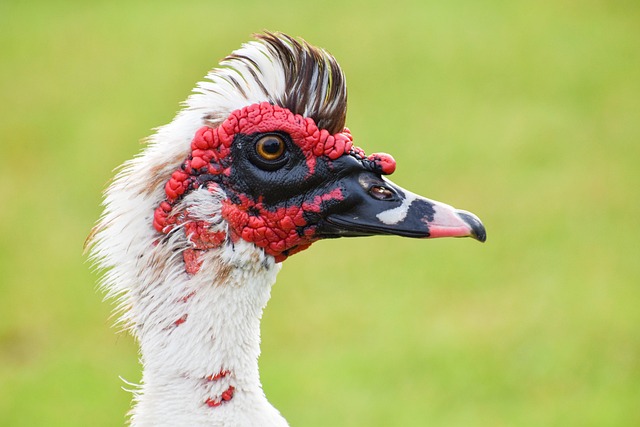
<point x="525" y="113"/>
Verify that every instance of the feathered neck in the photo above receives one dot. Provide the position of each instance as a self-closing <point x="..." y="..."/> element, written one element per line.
<point x="200" y="342"/>
<point x="199" y="334"/>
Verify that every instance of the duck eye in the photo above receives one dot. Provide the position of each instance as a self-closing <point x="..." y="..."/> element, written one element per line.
<point x="270" y="147"/>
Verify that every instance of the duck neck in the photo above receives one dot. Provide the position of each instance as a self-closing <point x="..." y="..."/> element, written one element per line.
<point x="199" y="338"/>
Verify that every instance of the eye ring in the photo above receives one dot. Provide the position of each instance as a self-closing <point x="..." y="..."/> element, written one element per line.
<point x="270" y="147"/>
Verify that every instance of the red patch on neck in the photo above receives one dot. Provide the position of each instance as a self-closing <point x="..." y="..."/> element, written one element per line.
<point x="181" y="320"/>
<point x="192" y="262"/>
<point x="217" y="376"/>
<point x="226" y="396"/>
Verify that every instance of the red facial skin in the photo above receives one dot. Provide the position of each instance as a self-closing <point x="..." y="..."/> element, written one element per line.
<point x="280" y="231"/>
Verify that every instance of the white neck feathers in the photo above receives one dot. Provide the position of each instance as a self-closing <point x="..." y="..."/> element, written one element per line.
<point x="199" y="334"/>
<point x="200" y="343"/>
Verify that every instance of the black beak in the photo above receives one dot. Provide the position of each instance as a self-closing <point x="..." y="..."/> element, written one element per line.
<point x="374" y="205"/>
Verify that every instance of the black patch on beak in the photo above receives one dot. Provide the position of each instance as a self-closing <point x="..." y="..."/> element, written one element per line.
<point x="375" y="206"/>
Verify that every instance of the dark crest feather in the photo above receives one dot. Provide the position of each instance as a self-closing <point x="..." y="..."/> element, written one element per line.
<point x="314" y="83"/>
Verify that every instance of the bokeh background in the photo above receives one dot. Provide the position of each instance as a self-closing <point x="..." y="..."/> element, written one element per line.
<point x="526" y="113"/>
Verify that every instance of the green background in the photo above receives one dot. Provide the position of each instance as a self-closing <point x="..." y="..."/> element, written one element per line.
<point x="526" y="113"/>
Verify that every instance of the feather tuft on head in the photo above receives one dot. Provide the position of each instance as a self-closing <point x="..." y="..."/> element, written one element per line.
<point x="283" y="71"/>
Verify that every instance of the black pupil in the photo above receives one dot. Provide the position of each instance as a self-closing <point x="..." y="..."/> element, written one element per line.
<point x="271" y="146"/>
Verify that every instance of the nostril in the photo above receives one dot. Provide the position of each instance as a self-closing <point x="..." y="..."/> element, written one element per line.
<point x="381" y="193"/>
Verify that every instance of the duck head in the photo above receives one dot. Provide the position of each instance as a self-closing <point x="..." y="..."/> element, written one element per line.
<point x="287" y="170"/>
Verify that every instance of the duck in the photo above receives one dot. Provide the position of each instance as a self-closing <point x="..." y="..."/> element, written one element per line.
<point x="257" y="166"/>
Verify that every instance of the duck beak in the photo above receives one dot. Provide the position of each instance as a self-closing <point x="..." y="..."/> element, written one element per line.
<point x="376" y="206"/>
